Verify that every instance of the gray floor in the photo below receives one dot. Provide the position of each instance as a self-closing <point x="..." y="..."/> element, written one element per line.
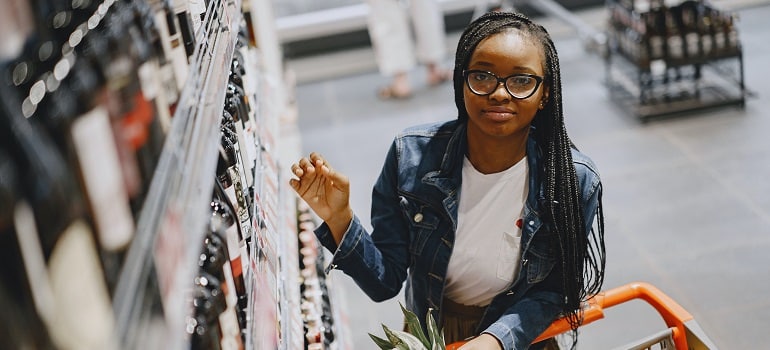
<point x="687" y="199"/>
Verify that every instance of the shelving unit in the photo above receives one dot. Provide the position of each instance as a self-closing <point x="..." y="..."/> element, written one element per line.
<point x="672" y="57"/>
<point x="213" y="208"/>
<point x="176" y="208"/>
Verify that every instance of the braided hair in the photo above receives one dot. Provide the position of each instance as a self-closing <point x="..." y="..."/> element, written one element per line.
<point x="582" y="253"/>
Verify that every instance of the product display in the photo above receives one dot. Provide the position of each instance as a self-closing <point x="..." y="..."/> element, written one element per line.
<point x="318" y="313"/>
<point x="141" y="196"/>
<point x="668" y="57"/>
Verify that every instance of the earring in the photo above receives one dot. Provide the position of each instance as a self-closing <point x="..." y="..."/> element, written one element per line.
<point x="541" y="105"/>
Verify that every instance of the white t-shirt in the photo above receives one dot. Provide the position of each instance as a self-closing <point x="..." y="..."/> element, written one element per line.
<point x="486" y="252"/>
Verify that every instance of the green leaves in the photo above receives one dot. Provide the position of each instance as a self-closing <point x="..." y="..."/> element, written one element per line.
<point x="435" y="334"/>
<point x="382" y="343"/>
<point x="413" y="325"/>
<point x="415" y="339"/>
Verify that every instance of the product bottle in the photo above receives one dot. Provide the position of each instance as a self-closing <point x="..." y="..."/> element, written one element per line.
<point x="718" y="25"/>
<point x="82" y="131"/>
<point x="208" y="303"/>
<point x="223" y="220"/>
<point x="215" y="260"/>
<point x="229" y="172"/>
<point x="21" y="327"/>
<point x="689" y="24"/>
<point x="674" y="43"/>
<point x="656" y="36"/>
<point x="56" y="241"/>
<point x="705" y="29"/>
<point x="732" y="41"/>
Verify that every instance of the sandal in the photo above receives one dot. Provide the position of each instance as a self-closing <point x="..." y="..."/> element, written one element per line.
<point x="436" y="79"/>
<point x="390" y="93"/>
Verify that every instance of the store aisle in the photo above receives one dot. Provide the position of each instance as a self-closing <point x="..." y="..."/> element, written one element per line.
<point x="687" y="199"/>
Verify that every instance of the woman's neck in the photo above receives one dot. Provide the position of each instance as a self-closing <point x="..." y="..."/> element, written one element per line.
<point x="493" y="155"/>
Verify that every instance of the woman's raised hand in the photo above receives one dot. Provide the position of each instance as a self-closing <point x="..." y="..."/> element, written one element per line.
<point x="326" y="191"/>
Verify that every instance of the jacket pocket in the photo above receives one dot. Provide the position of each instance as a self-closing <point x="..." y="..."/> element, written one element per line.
<point x="541" y="257"/>
<point x="423" y="221"/>
<point x="507" y="263"/>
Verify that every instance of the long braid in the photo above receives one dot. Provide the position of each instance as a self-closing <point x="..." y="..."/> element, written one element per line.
<point x="582" y="253"/>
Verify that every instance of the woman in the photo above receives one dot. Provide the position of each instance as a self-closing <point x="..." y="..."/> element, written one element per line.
<point x="489" y="217"/>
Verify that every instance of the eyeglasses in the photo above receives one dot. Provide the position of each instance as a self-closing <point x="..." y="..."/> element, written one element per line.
<point x="520" y="86"/>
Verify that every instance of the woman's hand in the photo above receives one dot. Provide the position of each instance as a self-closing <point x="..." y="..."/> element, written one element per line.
<point x="482" y="342"/>
<point x="326" y="191"/>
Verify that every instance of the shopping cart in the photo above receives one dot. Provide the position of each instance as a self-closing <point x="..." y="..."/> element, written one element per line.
<point x="682" y="332"/>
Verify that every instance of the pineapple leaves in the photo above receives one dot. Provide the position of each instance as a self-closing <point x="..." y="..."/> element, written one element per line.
<point x="415" y="338"/>
<point x="435" y="334"/>
<point x="382" y="343"/>
<point x="413" y="325"/>
<point x="403" y="340"/>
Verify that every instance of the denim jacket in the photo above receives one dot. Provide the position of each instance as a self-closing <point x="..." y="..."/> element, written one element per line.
<point x="414" y="218"/>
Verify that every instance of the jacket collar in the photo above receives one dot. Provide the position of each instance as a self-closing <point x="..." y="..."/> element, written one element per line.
<point x="452" y="160"/>
<point x="448" y="177"/>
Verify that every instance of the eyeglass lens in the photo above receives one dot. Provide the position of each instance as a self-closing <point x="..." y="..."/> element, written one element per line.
<point x="519" y="86"/>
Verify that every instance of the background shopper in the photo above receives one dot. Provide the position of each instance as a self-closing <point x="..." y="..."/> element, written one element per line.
<point x="396" y="51"/>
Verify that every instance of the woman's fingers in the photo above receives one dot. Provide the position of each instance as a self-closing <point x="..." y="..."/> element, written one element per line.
<point x="308" y="171"/>
<point x="340" y="180"/>
<point x="325" y="190"/>
<point x="316" y="157"/>
<point x="302" y="167"/>
<point x="297" y="170"/>
<point x="305" y="164"/>
<point x="294" y="183"/>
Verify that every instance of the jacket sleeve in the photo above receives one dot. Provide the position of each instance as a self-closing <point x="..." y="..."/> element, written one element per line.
<point x="377" y="262"/>
<point x="526" y="320"/>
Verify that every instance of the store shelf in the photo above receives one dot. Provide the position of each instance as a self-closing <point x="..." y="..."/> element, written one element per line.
<point x="154" y="209"/>
<point x="175" y="211"/>
<point x="667" y="58"/>
<point x="647" y="96"/>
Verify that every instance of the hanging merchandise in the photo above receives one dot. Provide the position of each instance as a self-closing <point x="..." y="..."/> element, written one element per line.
<point x="141" y="204"/>
<point x="669" y="57"/>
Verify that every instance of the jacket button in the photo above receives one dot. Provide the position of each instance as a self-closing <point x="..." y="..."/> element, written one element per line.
<point x="418" y="217"/>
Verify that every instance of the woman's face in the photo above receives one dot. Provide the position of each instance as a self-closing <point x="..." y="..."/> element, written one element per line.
<point x="499" y="115"/>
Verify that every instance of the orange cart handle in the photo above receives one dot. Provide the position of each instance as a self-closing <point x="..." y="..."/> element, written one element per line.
<point x="672" y="313"/>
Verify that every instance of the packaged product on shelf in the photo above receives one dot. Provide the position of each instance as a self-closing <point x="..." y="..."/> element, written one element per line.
<point x="60" y="258"/>
<point x="139" y="149"/>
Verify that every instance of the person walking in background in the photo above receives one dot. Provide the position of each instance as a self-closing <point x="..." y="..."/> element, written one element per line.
<point x="397" y="53"/>
<point x="493" y="219"/>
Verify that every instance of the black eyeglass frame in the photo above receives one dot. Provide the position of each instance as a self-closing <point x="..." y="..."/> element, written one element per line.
<point x="538" y="80"/>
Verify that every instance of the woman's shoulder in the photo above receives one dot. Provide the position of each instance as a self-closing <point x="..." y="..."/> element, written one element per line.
<point x="422" y="148"/>
<point x="443" y="128"/>
<point x="585" y="168"/>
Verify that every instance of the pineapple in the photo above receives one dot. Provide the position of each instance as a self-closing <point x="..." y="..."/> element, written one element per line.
<point x="415" y="339"/>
